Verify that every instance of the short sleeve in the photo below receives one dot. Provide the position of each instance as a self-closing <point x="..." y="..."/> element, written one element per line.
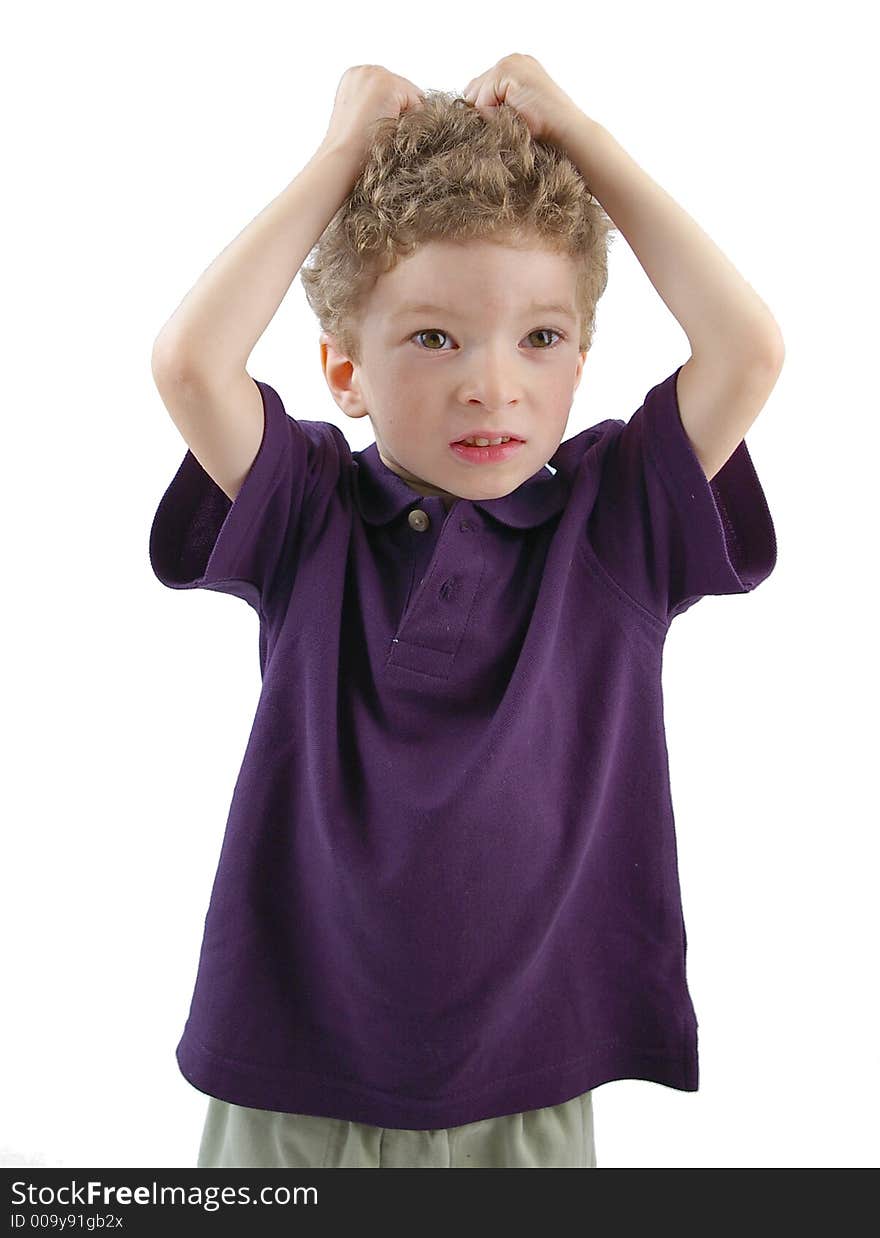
<point x="201" y="539"/>
<point x="665" y="534"/>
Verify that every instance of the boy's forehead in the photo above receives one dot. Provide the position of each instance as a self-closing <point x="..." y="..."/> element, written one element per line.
<point x="443" y="275"/>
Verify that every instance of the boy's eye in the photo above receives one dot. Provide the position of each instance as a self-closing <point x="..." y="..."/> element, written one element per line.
<point x="433" y="331"/>
<point x="429" y="332"/>
<point x="547" y="331"/>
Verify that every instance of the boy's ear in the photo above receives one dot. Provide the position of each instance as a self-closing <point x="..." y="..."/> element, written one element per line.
<point x="331" y="356"/>
<point x="579" y="372"/>
<point x="339" y="375"/>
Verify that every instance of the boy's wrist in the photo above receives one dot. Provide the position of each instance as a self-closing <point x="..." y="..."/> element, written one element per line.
<point x="572" y="127"/>
<point x="346" y="152"/>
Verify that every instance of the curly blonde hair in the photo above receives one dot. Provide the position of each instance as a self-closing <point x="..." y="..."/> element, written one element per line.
<point x="446" y="172"/>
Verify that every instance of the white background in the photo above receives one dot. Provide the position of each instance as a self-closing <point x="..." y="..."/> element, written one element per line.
<point x="139" y="142"/>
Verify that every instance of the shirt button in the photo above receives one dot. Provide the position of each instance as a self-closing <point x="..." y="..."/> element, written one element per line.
<point x="466" y="526"/>
<point x="418" y="520"/>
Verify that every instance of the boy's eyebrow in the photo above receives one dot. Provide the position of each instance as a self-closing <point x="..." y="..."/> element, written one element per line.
<point x="545" y="307"/>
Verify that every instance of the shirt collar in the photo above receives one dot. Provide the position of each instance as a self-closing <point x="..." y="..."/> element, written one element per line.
<point x="382" y="495"/>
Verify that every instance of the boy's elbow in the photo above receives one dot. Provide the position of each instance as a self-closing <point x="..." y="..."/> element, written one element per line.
<point x="169" y="361"/>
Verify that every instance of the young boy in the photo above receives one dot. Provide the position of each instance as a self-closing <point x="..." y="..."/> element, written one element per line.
<point x="447" y="904"/>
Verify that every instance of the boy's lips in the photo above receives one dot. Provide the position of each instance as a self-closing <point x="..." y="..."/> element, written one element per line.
<point x="488" y="454"/>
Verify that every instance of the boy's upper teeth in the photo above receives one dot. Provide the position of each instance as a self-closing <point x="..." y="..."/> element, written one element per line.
<point x="485" y="442"/>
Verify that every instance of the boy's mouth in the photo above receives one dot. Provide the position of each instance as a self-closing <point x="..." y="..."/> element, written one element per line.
<point x="488" y="438"/>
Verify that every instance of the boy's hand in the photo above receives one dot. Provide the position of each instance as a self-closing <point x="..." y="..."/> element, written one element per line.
<point x="367" y="93"/>
<point x="525" y="85"/>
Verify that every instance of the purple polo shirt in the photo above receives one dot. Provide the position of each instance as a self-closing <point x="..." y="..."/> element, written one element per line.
<point x="448" y="887"/>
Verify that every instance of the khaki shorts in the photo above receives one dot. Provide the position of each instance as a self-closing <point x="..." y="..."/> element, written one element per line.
<point x="559" y="1137"/>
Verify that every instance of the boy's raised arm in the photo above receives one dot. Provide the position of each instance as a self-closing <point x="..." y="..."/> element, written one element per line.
<point x="200" y="355"/>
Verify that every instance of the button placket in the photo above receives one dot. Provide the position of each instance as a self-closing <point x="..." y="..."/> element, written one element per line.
<point x="434" y="619"/>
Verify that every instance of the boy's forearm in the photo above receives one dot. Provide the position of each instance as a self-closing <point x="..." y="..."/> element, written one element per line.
<point x="720" y="313"/>
<point x="219" y="321"/>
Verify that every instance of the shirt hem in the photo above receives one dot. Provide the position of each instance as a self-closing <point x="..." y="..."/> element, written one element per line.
<point x="292" y="1091"/>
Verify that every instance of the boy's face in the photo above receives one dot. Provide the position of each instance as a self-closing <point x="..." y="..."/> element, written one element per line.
<point x="485" y="359"/>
